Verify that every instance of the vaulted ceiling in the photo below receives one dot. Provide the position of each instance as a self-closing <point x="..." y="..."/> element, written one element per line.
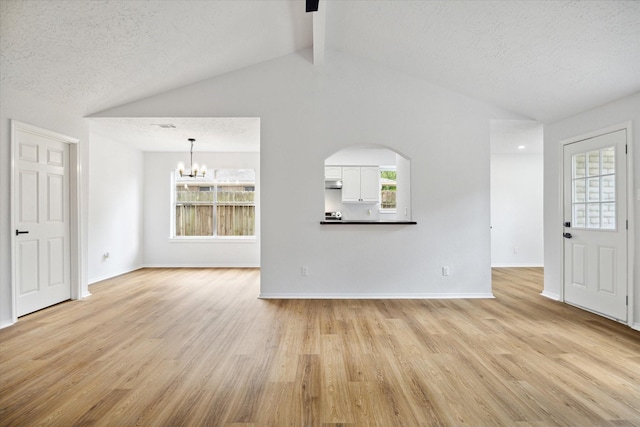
<point x="543" y="59"/>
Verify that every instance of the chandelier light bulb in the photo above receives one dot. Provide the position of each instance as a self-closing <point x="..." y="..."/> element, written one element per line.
<point x="194" y="168"/>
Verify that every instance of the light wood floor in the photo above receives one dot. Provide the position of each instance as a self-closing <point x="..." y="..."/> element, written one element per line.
<point x="163" y="347"/>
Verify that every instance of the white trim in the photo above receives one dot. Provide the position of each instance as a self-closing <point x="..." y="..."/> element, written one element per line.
<point x="112" y="275"/>
<point x="550" y="295"/>
<point x="631" y="248"/>
<point x="372" y="296"/>
<point x="6" y="324"/>
<point x="74" y="210"/>
<point x="636" y="326"/>
<point x="561" y="218"/>
<point x="140" y="267"/>
<point x="517" y="265"/>
<point x="200" y="266"/>
<point x="78" y="291"/>
<point x="628" y="127"/>
<point x="15" y="124"/>
<point x="213" y="239"/>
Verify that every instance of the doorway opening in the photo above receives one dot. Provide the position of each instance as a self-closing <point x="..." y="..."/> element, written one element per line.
<point x="516" y="193"/>
<point x="143" y="218"/>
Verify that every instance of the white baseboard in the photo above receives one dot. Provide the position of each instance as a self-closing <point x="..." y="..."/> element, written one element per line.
<point x="5" y="324"/>
<point x="371" y="296"/>
<point x="112" y="275"/>
<point x="635" y="326"/>
<point x="199" y="266"/>
<point x="516" y="265"/>
<point x="550" y="295"/>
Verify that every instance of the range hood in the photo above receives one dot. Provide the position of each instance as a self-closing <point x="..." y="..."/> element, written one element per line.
<point x="333" y="184"/>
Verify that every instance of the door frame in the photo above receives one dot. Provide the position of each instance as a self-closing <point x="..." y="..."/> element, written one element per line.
<point x="74" y="171"/>
<point x="627" y="126"/>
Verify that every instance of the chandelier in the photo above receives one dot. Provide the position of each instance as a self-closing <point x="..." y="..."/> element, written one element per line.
<point x="195" y="170"/>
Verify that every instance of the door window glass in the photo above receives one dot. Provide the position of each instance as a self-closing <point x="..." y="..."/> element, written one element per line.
<point x="594" y="191"/>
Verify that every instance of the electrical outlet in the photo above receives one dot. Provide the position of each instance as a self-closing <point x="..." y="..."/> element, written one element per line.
<point x="515" y="250"/>
<point x="445" y="270"/>
<point x="304" y="270"/>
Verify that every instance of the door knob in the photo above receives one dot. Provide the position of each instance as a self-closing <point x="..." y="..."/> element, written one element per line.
<point x="18" y="232"/>
<point x="567" y="235"/>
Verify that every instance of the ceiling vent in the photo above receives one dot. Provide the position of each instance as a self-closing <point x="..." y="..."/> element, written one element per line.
<point x="164" y="125"/>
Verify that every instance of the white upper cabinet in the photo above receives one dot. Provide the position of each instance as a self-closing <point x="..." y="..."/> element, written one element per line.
<point x="332" y="172"/>
<point x="360" y="184"/>
<point x="370" y="184"/>
<point x="351" y="184"/>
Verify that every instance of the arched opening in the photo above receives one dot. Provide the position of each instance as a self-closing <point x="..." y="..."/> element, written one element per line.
<point x="367" y="182"/>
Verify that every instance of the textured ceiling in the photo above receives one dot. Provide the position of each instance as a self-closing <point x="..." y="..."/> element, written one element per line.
<point x="95" y="55"/>
<point x="237" y="134"/>
<point x="507" y="136"/>
<point x="543" y="59"/>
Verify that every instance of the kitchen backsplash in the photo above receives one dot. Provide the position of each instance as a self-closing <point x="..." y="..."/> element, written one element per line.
<point x="353" y="211"/>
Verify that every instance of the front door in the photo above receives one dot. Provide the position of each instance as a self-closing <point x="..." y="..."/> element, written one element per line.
<point x="595" y="224"/>
<point x="41" y="212"/>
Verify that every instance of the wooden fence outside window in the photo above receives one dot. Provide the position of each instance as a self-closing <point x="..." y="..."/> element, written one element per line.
<point x="234" y="212"/>
<point x="388" y="199"/>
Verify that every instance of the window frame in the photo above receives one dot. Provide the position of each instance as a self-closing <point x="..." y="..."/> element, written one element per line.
<point x="586" y="203"/>
<point x="208" y="180"/>
<point x="381" y="169"/>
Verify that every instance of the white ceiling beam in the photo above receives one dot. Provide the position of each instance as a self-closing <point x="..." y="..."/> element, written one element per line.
<point x="319" y="30"/>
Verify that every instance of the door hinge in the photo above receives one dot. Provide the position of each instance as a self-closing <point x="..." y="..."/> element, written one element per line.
<point x="627" y="299"/>
<point x="626" y="148"/>
<point x="627" y="224"/>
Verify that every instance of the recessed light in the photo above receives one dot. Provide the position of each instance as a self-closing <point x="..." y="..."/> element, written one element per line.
<point x="521" y="147"/>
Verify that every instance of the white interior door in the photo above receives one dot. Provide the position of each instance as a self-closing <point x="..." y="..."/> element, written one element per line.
<point x="41" y="220"/>
<point x="595" y="224"/>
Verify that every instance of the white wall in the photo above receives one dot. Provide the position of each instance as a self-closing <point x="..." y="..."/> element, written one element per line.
<point x="309" y="112"/>
<point x="360" y="156"/>
<point x="516" y="210"/>
<point x="623" y="110"/>
<point x="403" y="194"/>
<point x="47" y="115"/>
<point x="115" y="208"/>
<point x="159" y="250"/>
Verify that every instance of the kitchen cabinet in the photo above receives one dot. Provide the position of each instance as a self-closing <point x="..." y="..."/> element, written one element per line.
<point x="360" y="184"/>
<point x="332" y="172"/>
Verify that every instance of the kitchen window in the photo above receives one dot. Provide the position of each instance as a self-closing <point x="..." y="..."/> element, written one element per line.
<point x="388" y="189"/>
<point x="219" y="205"/>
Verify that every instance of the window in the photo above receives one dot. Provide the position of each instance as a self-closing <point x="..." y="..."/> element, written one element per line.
<point x="593" y="189"/>
<point x="220" y="204"/>
<point x="388" y="188"/>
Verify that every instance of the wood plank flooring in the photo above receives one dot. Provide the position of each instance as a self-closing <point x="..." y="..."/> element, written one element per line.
<point x="195" y="347"/>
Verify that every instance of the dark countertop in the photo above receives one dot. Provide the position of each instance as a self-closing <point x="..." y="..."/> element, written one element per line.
<point x="364" y="222"/>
